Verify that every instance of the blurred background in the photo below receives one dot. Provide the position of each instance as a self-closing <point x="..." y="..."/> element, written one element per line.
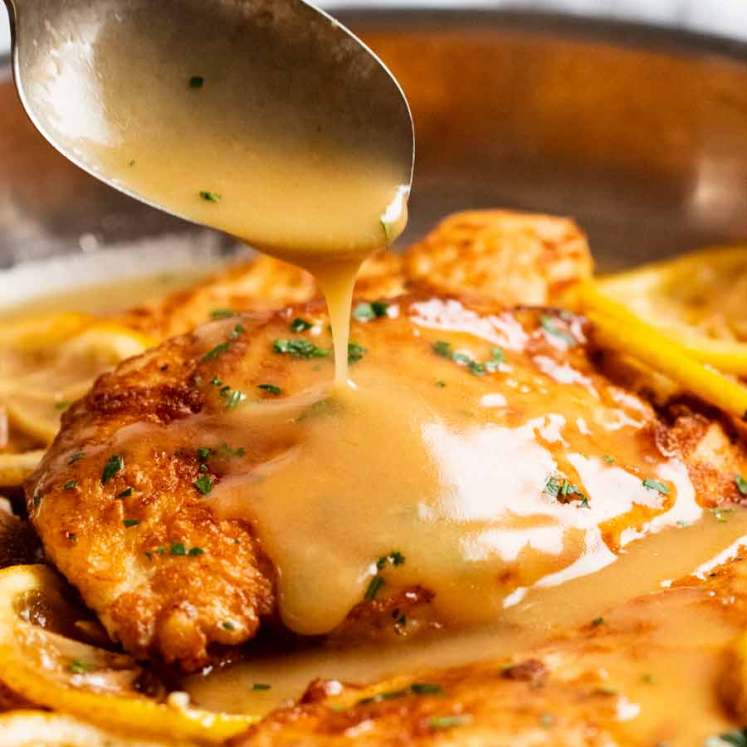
<point x="630" y="115"/>
<point x="721" y="17"/>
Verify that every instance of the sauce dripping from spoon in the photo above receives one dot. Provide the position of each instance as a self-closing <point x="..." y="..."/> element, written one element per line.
<point x="277" y="127"/>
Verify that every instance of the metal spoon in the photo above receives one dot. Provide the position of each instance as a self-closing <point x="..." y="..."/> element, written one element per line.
<point x="151" y="97"/>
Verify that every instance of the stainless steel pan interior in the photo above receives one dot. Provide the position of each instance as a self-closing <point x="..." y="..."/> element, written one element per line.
<point x="639" y="133"/>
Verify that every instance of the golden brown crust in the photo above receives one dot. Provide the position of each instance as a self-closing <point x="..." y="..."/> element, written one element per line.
<point x="512" y="257"/>
<point x="499" y="255"/>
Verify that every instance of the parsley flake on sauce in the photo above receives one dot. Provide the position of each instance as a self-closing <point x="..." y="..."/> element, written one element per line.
<point x="270" y="388"/>
<point x="741" y="484"/>
<point x="438" y="723"/>
<point x="355" y="352"/>
<point x="127" y="523"/>
<point x="70" y="485"/>
<point x="444" y="350"/>
<point x="218" y="350"/>
<point x="204" y="484"/>
<point x="210" y="196"/>
<point x="126" y="493"/>
<point x="196" y="81"/>
<point x="260" y="686"/>
<point x="555" y="329"/>
<point x="736" y="738"/>
<point x="227" y="452"/>
<point x="564" y="491"/>
<point x="373" y="588"/>
<point x="75" y="457"/>
<point x="657" y="485"/>
<point x="77" y="666"/>
<point x="366" y="311"/>
<point x="113" y="465"/>
<point x="299" y="325"/>
<point x="222" y="313"/>
<point x="299" y="349"/>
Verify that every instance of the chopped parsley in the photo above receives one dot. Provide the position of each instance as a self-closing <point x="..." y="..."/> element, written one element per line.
<point x="63" y="404"/>
<point x="224" y="347"/>
<point x="178" y="549"/>
<point x="76" y="666"/>
<point x="270" y="388"/>
<point x="130" y="523"/>
<point x="259" y="686"/>
<point x="222" y="313"/>
<point x="736" y="738"/>
<point x="438" y="723"/>
<point x="496" y="358"/>
<point x="113" y="465"/>
<point x="553" y="328"/>
<point x="204" y="484"/>
<point x="231" y="397"/>
<point x="227" y="625"/>
<point x="355" y="352"/>
<point x="196" y="81"/>
<point x="393" y="558"/>
<point x="299" y="325"/>
<point x="75" y="457"/>
<point x="366" y="311"/>
<point x="657" y="485"/>
<point x="126" y="493"/>
<point x="210" y="196"/>
<point x="203" y="453"/>
<point x="444" y="350"/>
<point x="299" y="349"/>
<point x="564" y="491"/>
<point x="70" y="485"/>
<point x="440" y="383"/>
<point x="608" y="459"/>
<point x="425" y="688"/>
<point x="722" y="514"/>
<point x="597" y="621"/>
<point x="213" y="353"/>
<point x="648" y="678"/>
<point x="373" y="588"/>
<point x="227" y="452"/>
<point x="416" y="688"/>
<point x="741" y="484"/>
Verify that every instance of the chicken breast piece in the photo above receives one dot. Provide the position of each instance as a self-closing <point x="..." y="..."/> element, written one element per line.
<point x="517" y="258"/>
<point x="504" y="256"/>
<point x="124" y="500"/>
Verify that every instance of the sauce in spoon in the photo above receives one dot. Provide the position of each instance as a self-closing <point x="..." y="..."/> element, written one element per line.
<point x="280" y="129"/>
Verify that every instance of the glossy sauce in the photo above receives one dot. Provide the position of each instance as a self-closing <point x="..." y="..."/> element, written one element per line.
<point x="451" y="470"/>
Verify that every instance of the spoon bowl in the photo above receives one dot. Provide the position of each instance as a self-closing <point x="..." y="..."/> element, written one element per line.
<point x="264" y="118"/>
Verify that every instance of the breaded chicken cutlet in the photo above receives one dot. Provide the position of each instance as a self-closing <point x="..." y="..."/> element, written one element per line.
<point x="121" y="500"/>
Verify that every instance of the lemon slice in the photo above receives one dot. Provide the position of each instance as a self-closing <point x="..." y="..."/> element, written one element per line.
<point x="47" y="363"/>
<point x="48" y="667"/>
<point x="40" y="729"/>
<point x="15" y="468"/>
<point x="698" y="299"/>
<point x="35" y="332"/>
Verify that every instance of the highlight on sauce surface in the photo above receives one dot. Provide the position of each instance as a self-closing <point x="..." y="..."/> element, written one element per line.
<point x="510" y="523"/>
